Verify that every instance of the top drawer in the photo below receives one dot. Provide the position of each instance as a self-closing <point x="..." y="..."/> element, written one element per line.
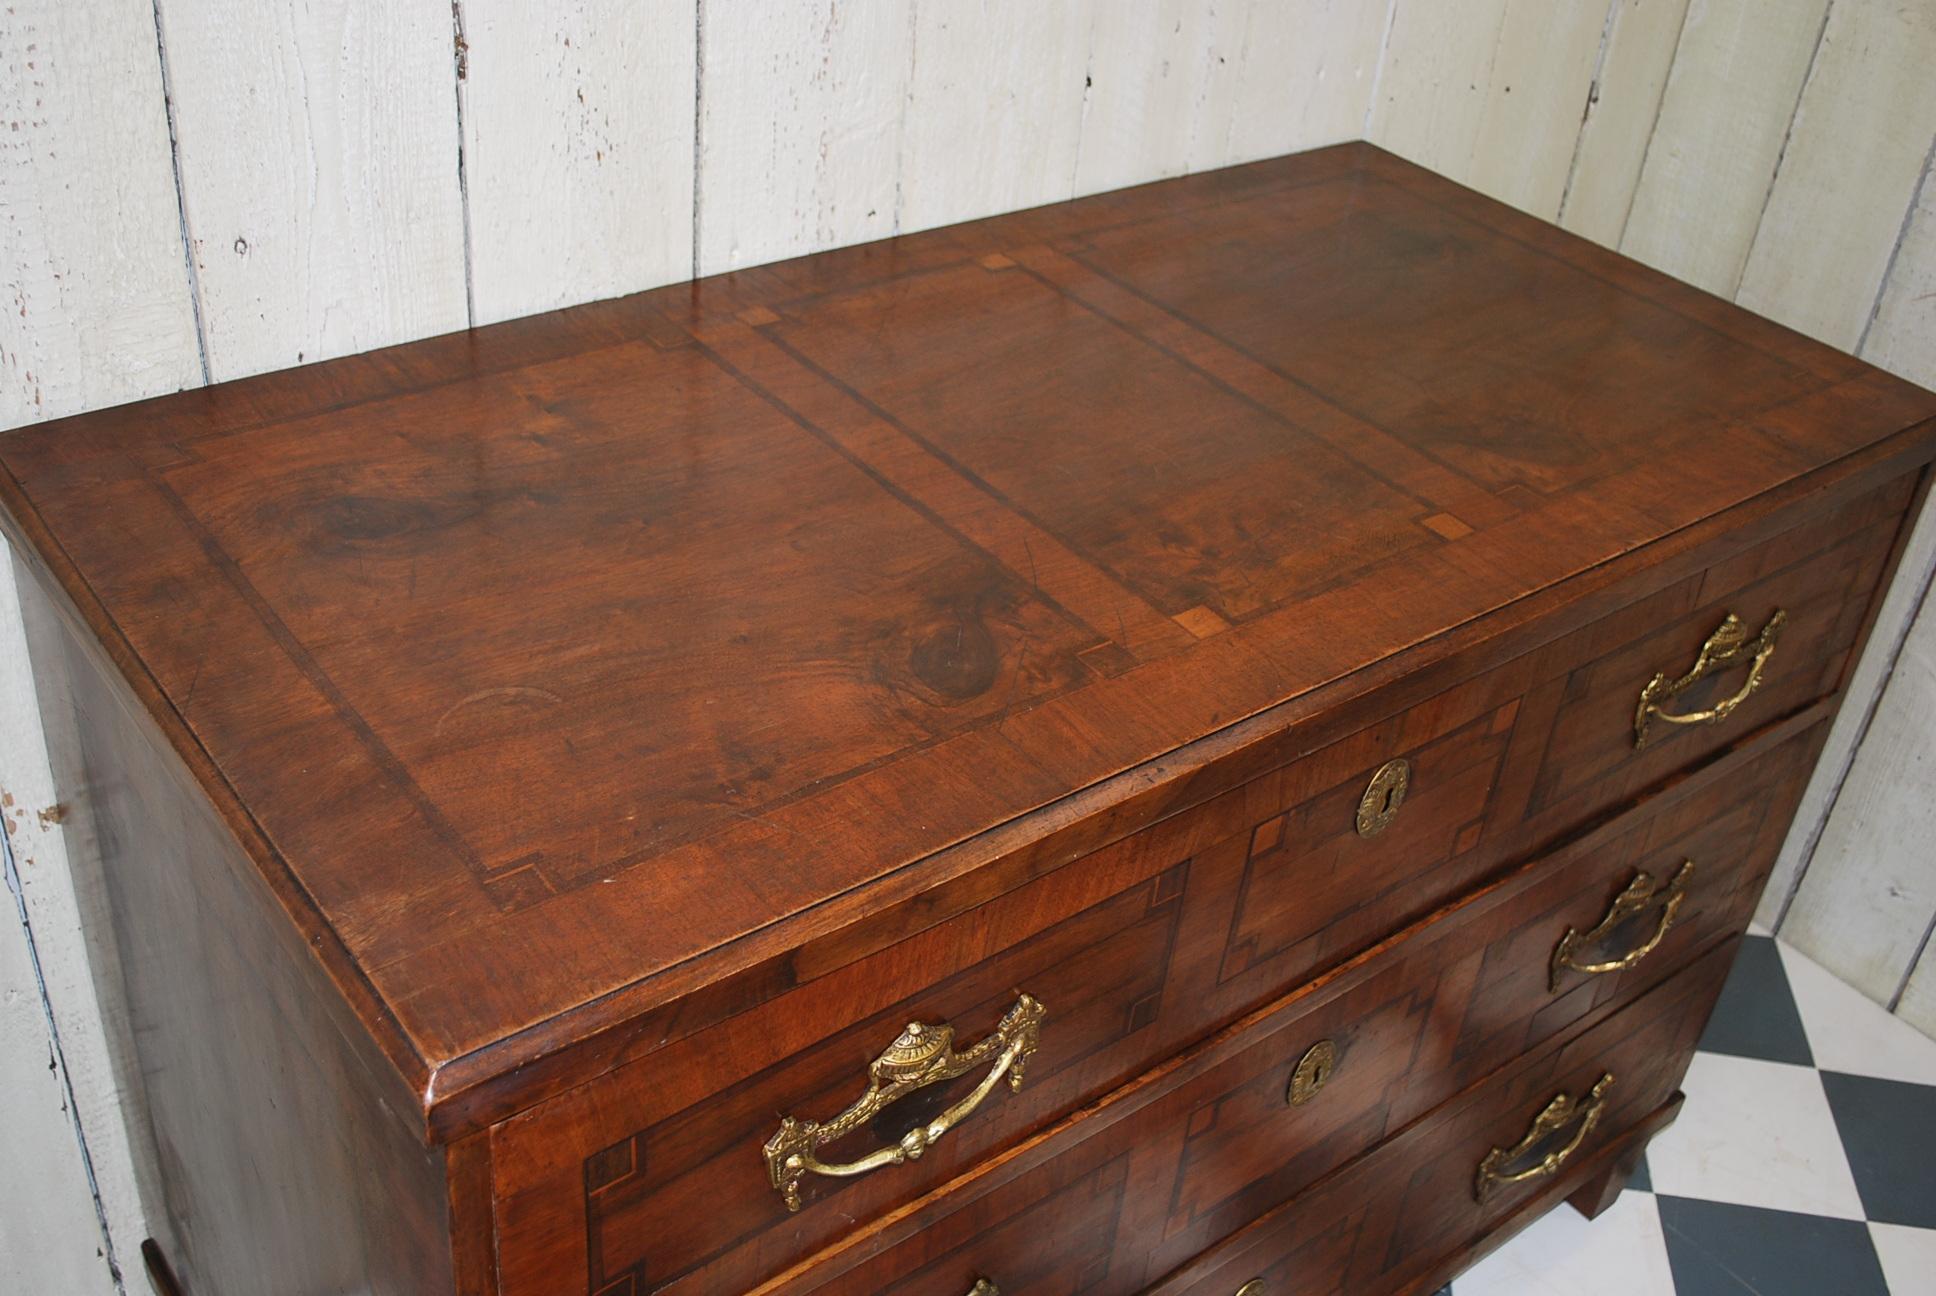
<point x="677" y="1169"/>
<point x="1671" y="679"/>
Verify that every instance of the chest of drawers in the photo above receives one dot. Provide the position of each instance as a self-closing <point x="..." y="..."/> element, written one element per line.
<point x="1217" y="734"/>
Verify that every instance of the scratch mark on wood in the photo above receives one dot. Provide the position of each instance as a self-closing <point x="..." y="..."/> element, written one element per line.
<point x="512" y="694"/>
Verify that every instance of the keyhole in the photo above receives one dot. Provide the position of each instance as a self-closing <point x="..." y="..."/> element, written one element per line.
<point x="1383" y="796"/>
<point x="1312" y="1073"/>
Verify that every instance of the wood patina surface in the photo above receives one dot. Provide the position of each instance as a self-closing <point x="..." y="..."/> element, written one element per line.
<point x="578" y="680"/>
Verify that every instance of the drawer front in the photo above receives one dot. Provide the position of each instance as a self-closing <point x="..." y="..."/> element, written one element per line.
<point x="1308" y="888"/>
<point x="1069" y="1227"/>
<point x="1675" y="677"/>
<point x="1138" y="949"/>
<point x="1401" y="1216"/>
<point x="1103" y="974"/>
<point x="1389" y="1039"/>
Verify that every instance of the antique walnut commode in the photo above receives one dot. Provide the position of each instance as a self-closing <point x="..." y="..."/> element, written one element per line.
<point x="1213" y="738"/>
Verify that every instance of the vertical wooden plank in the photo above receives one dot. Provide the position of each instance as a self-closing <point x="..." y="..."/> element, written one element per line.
<point x="1867" y="899"/>
<point x="1433" y="86"/>
<point x="50" y="1240"/>
<point x="317" y="145"/>
<point x="1918" y="1006"/>
<point x="1182" y="86"/>
<point x="578" y="149"/>
<point x="1491" y="93"/>
<point x="800" y="127"/>
<point x="1871" y="672"/>
<point x="1161" y="82"/>
<point x="1902" y="337"/>
<point x="1723" y="117"/>
<point x="1305" y="76"/>
<point x="994" y="108"/>
<point x="1541" y="78"/>
<point x="95" y="309"/>
<point x="1855" y="155"/>
<point x="59" y="1034"/>
<point x="94" y="300"/>
<point x="1640" y="42"/>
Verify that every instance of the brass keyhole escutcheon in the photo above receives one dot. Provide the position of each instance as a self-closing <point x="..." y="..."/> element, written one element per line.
<point x="1383" y="795"/>
<point x="1312" y="1072"/>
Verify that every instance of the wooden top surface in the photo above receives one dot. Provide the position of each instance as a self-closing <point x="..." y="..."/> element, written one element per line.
<point x="553" y="662"/>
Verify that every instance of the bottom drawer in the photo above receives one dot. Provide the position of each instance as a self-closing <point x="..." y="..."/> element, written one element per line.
<point x="1403" y="1217"/>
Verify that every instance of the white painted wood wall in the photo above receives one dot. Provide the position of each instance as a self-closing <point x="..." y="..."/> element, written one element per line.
<point x="194" y="190"/>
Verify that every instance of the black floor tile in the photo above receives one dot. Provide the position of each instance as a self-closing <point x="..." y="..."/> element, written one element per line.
<point x="1756" y="1016"/>
<point x="1642" y="1180"/>
<point x="1718" y="1249"/>
<point x="1698" y="1274"/>
<point x="1888" y="1130"/>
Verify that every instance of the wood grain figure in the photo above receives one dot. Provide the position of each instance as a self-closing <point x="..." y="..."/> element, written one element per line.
<point x="546" y="777"/>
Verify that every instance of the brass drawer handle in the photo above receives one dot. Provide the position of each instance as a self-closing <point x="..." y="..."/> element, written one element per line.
<point x="1725" y="649"/>
<point x="921" y="1056"/>
<point x="1497" y="1170"/>
<point x="983" y="1287"/>
<point x="1638" y="896"/>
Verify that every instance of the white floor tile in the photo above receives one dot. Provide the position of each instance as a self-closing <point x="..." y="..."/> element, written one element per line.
<point x="1908" y="1258"/>
<point x="1756" y="1134"/>
<point x="1620" y="1254"/>
<point x="1848" y="1031"/>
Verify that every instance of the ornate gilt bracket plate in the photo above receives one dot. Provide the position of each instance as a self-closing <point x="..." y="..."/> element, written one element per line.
<point x="920" y="1056"/>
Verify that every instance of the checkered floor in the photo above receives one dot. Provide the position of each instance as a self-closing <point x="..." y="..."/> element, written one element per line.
<point x="1804" y="1163"/>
